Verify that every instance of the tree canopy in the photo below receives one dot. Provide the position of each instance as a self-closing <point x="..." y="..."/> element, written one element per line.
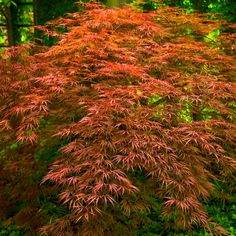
<point x="133" y="112"/>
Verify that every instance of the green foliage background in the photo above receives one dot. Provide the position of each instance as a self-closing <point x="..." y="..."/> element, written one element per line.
<point x="55" y="8"/>
<point x="226" y="8"/>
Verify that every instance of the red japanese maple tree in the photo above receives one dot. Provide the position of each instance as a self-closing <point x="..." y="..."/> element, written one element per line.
<point x="128" y="91"/>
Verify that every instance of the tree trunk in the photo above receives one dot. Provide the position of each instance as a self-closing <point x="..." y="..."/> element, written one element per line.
<point x="36" y="3"/>
<point x="10" y="27"/>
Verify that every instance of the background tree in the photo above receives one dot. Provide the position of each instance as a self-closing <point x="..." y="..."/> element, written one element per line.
<point x="6" y="11"/>
<point x="226" y="8"/>
<point x="17" y="19"/>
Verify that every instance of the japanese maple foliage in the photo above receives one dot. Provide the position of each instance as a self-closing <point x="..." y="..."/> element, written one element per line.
<point x="128" y="91"/>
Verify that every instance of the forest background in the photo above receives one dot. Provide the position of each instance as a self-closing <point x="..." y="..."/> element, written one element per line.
<point x="26" y="13"/>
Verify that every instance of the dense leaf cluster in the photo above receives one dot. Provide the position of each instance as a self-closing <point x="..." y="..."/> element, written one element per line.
<point x="144" y="111"/>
